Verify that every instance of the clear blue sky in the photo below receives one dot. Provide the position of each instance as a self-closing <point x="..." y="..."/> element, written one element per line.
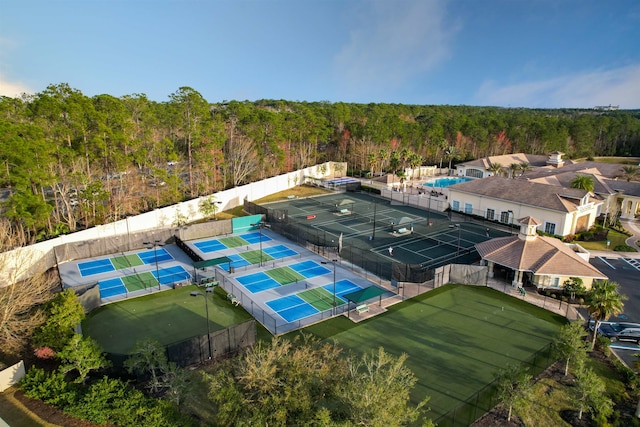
<point x="518" y="53"/>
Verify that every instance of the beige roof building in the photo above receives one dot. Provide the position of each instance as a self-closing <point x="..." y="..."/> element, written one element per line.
<point x="562" y="210"/>
<point x="544" y="262"/>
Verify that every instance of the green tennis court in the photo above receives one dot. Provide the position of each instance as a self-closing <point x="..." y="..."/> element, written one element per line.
<point x="457" y="338"/>
<point x="320" y="298"/>
<point x="164" y="316"/>
<point x="284" y="275"/>
<point x="233" y="241"/>
<point x="256" y="257"/>
<point x="126" y="261"/>
<point x="136" y="282"/>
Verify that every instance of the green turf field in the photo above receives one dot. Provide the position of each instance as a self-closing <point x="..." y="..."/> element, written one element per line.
<point x="233" y="241"/>
<point x="126" y="261"/>
<point x="168" y="317"/>
<point x="254" y="257"/>
<point x="284" y="275"/>
<point x="457" y="339"/>
<point x="320" y="298"/>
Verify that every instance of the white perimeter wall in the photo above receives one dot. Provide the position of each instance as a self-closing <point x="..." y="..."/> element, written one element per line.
<point x="19" y="263"/>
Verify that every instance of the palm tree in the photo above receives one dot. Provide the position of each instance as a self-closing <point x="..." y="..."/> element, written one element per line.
<point x="524" y="166"/>
<point x="495" y="168"/>
<point x="583" y="182"/>
<point x="630" y="172"/>
<point x="605" y="302"/>
<point x="373" y="161"/>
<point x="513" y="168"/>
<point x="450" y="152"/>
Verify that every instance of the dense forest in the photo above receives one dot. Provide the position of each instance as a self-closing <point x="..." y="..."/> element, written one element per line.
<point x="69" y="161"/>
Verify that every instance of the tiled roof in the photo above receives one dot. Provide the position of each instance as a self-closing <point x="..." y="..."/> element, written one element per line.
<point x="542" y="255"/>
<point x="629" y="188"/>
<point x="507" y="159"/>
<point x="522" y="191"/>
<point x="564" y="179"/>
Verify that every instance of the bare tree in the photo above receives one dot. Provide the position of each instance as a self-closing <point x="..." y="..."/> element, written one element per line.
<point x="242" y="159"/>
<point x="20" y="298"/>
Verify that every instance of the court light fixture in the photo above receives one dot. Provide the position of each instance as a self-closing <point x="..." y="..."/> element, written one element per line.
<point x="154" y="245"/>
<point x="333" y="311"/>
<point x="206" y="305"/>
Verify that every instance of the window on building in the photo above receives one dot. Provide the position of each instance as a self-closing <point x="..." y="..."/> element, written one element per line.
<point x="455" y="205"/>
<point x="505" y="216"/>
<point x="549" y="228"/>
<point x="474" y="173"/>
<point x="491" y="214"/>
<point x="468" y="208"/>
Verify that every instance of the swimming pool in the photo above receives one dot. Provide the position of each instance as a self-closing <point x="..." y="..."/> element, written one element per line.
<point x="446" y="182"/>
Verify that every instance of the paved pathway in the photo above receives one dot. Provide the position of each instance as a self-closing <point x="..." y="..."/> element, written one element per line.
<point x="634" y="227"/>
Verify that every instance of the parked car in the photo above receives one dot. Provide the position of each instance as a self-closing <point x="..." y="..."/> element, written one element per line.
<point x="618" y="330"/>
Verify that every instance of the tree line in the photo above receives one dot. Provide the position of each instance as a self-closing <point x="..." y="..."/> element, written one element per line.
<point x="70" y="161"/>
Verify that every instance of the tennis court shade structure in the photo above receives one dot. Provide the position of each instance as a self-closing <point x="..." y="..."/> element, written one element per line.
<point x="363" y="295"/>
<point x="211" y="262"/>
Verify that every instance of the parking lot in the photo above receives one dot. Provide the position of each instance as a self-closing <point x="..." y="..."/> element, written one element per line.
<point x="626" y="272"/>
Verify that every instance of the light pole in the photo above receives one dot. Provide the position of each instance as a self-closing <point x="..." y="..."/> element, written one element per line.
<point x="333" y="311"/>
<point x="206" y="305"/>
<point x="154" y="245"/>
<point x="373" y="233"/>
<point x="458" y="246"/>
<point x="259" y="225"/>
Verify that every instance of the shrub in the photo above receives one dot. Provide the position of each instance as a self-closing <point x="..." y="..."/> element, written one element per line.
<point x="624" y="248"/>
<point x="586" y="236"/>
<point x="51" y="388"/>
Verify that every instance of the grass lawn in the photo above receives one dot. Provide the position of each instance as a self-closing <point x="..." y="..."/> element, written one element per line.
<point x="457" y="339"/>
<point x="168" y="317"/>
<point x="615" y="237"/>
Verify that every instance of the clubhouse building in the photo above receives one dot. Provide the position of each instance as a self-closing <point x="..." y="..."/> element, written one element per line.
<point x="544" y="262"/>
<point x="543" y="190"/>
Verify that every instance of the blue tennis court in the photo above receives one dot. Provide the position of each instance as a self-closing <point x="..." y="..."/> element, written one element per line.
<point x="210" y="246"/>
<point x="292" y="308"/>
<point x="95" y="267"/>
<point x="279" y="251"/>
<point x="236" y="262"/>
<point x="309" y="269"/>
<point x="343" y="287"/>
<point x="257" y="282"/>
<point x="149" y="257"/>
<point x="169" y="275"/>
<point x="111" y="287"/>
<point x="254" y="237"/>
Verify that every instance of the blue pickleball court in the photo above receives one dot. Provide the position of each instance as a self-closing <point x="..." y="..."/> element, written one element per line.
<point x="236" y="262"/>
<point x="279" y="251"/>
<point x="210" y="246"/>
<point x="254" y="237"/>
<point x="149" y="257"/>
<point x="111" y="287"/>
<point x="309" y="269"/>
<point x="169" y="275"/>
<point x="343" y="287"/>
<point x="257" y="282"/>
<point x="97" y="266"/>
<point x="292" y="308"/>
